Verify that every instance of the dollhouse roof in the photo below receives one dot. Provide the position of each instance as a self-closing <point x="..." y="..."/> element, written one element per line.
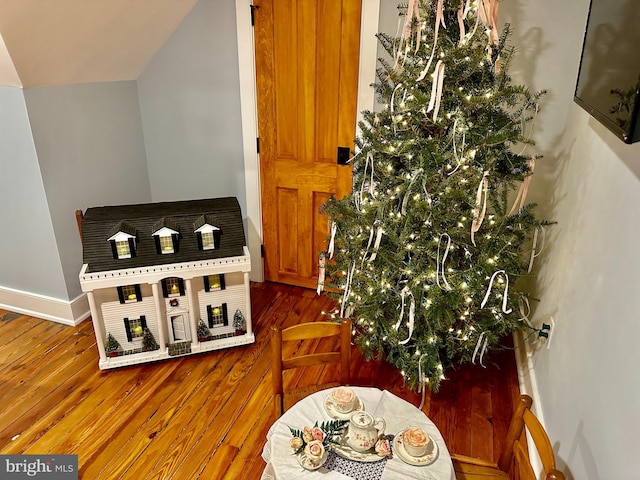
<point x="99" y="224"/>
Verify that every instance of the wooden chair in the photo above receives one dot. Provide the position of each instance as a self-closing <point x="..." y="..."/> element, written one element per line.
<point x="468" y="468"/>
<point x="306" y="331"/>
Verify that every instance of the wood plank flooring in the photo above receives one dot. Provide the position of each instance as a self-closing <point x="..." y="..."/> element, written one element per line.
<point x="203" y="416"/>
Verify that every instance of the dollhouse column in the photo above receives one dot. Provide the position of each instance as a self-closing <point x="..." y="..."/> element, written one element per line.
<point x="157" y="298"/>
<point x="247" y="296"/>
<point x="193" y="301"/>
<point x="96" y="318"/>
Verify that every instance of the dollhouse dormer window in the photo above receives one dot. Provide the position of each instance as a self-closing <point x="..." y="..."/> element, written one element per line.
<point x="123" y="241"/>
<point x="166" y="235"/>
<point x="207" y="232"/>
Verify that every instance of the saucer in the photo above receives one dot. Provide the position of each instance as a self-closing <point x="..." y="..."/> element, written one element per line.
<point x="330" y="407"/>
<point x="345" y="451"/>
<point x="427" y="459"/>
<point x="311" y="464"/>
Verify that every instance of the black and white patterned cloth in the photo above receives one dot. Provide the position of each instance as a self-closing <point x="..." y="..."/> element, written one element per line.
<point x="355" y="469"/>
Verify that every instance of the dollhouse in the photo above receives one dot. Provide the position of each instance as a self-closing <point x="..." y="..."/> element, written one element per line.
<point x="166" y="279"/>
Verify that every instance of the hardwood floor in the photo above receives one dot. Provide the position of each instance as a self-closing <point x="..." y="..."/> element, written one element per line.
<point x="203" y="416"/>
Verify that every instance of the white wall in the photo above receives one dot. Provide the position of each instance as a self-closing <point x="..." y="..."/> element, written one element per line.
<point x="29" y="260"/>
<point x="588" y="181"/>
<point x="88" y="140"/>
<point x="190" y="107"/>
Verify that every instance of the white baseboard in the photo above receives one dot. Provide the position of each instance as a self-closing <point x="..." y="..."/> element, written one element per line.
<point x="67" y="312"/>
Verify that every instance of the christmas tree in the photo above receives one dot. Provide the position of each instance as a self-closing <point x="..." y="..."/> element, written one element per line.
<point x="427" y="250"/>
<point x="148" y="341"/>
<point x="202" y="330"/>
<point x="238" y="320"/>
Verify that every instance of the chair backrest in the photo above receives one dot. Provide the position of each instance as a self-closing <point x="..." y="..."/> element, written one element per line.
<point x="307" y="331"/>
<point x="516" y="447"/>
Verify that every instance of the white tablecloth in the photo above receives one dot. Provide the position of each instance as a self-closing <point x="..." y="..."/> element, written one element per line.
<point x="398" y="413"/>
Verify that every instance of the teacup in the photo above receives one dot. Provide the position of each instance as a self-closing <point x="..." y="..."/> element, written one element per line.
<point x="416" y="441"/>
<point x="344" y="399"/>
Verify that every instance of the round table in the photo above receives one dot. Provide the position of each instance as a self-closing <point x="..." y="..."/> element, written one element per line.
<point x="398" y="414"/>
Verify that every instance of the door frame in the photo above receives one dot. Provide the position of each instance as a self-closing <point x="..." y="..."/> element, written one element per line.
<point x="248" y="105"/>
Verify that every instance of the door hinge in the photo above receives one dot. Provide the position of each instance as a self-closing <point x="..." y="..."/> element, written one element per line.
<point x="257" y="144"/>
<point x="262" y="251"/>
<point x="253" y="14"/>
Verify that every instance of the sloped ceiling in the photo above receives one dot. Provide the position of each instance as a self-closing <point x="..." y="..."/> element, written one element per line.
<point x="63" y="42"/>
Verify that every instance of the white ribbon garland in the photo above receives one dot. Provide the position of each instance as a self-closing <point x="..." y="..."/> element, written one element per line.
<point x="332" y="240"/>
<point x="455" y="149"/>
<point x="488" y="13"/>
<point x="534" y="254"/>
<point x="413" y="10"/>
<point x="368" y="163"/>
<point x="376" y="244"/>
<point x="366" y="250"/>
<point x="478" y="216"/>
<point x="321" y="273"/>
<point x="439" y="21"/>
<point x="411" y="318"/>
<point x="440" y="265"/>
<point x="480" y="348"/>
<point x="421" y="381"/>
<point x="461" y="17"/>
<point x="505" y="295"/>
<point x="524" y="302"/>
<point x="405" y="200"/>
<point x="518" y="203"/>
<point x="347" y="289"/>
<point x="436" y="89"/>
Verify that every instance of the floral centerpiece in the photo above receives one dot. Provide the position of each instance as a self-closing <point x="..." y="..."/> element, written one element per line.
<point x="311" y="443"/>
<point x="322" y="435"/>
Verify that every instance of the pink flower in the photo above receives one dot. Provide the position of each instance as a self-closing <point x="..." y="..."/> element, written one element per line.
<point x="307" y="434"/>
<point x="317" y="434"/>
<point x="314" y="450"/>
<point x="343" y="395"/>
<point x="416" y="437"/>
<point x="383" y="448"/>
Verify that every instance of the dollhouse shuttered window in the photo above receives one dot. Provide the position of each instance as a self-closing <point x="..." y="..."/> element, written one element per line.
<point x="135" y="327"/>
<point x="129" y="294"/>
<point x="214" y="282"/>
<point x="172" y="287"/>
<point x="217" y="315"/>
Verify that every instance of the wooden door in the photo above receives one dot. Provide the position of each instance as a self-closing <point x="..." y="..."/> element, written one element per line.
<point x="307" y="81"/>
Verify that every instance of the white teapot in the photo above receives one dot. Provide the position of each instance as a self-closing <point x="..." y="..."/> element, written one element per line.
<point x="363" y="431"/>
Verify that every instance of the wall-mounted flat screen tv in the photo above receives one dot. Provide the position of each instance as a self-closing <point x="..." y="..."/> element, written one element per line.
<point x="608" y="84"/>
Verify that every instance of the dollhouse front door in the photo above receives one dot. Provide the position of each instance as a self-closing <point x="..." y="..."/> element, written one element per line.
<point x="179" y="324"/>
